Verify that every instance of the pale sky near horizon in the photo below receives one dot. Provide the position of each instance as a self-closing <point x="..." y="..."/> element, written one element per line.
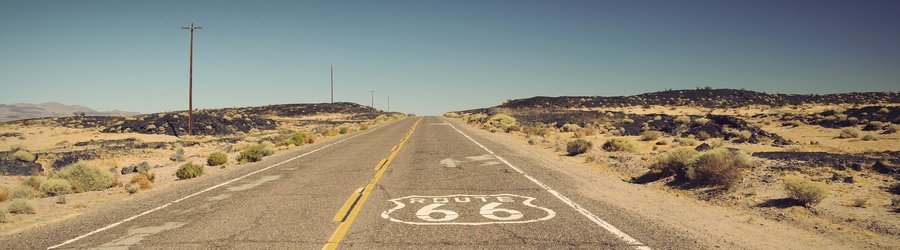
<point x="435" y="56"/>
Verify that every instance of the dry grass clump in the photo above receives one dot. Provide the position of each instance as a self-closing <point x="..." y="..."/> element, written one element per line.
<point x="618" y="145"/>
<point x="568" y="127"/>
<point x="538" y="129"/>
<point x="33" y="181"/>
<point x="17" y="147"/>
<point x="893" y="128"/>
<point x="701" y="121"/>
<point x="132" y="189"/>
<point x="683" y="119"/>
<point x="586" y="131"/>
<point x="344" y="130"/>
<point x="719" y="166"/>
<point x="675" y="162"/>
<point x="54" y="187"/>
<point x="685" y="141"/>
<point x="4" y="194"/>
<point x="25" y="192"/>
<point x="847" y="133"/>
<point x="650" y="135"/>
<point x="20" y="206"/>
<point x="218" y="158"/>
<point x="869" y="137"/>
<point x="578" y="146"/>
<point x="805" y="191"/>
<point x="256" y="152"/>
<point x="23" y="155"/>
<point x="4" y="218"/>
<point x="189" y="170"/>
<point x="84" y="177"/>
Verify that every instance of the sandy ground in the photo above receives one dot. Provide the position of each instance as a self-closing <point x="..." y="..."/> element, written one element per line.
<point x="873" y="225"/>
<point x="55" y="139"/>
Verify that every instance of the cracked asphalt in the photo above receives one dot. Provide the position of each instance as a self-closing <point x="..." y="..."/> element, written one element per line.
<point x="478" y="202"/>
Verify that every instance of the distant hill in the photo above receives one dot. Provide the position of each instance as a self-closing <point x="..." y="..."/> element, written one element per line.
<point x="19" y="111"/>
<point x="710" y="98"/>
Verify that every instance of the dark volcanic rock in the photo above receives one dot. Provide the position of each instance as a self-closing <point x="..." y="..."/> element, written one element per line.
<point x="136" y="168"/>
<point x="703" y="147"/>
<point x="837" y="161"/>
<point x="74" y="157"/>
<point x="15" y="167"/>
<point x="710" y="98"/>
<point x="852" y="117"/>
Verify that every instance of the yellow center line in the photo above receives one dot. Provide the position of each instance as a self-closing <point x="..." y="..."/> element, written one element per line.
<point x="344" y="227"/>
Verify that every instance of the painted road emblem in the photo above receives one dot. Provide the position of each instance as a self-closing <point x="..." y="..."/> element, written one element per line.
<point x="464" y="209"/>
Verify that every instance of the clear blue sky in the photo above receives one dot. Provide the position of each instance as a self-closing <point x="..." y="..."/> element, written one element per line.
<point x="436" y="56"/>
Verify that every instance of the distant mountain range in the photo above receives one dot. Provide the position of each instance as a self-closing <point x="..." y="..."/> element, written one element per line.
<point x="19" y="111"/>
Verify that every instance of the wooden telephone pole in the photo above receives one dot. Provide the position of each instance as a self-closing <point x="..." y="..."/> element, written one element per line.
<point x="332" y="83"/>
<point x="191" y="80"/>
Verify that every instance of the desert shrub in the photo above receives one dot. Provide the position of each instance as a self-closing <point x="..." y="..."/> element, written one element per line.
<point x="719" y="166"/>
<point x="218" y="158"/>
<point x="17" y="147"/>
<point x="893" y="128"/>
<point x="568" y="127"/>
<point x="20" y="206"/>
<point x="33" y="181"/>
<point x="848" y="133"/>
<point x="618" y="145"/>
<point x="382" y="118"/>
<point x="23" y="155"/>
<point x="54" y="187"/>
<point x="860" y="201"/>
<point x="451" y="115"/>
<point x="650" y="135"/>
<point x="869" y="138"/>
<point x="701" y="121"/>
<point x="310" y="138"/>
<point x="132" y="189"/>
<point x="298" y="138"/>
<point x="84" y="177"/>
<point x="256" y="152"/>
<point x="628" y="121"/>
<point x="189" y="170"/>
<point x="586" y="131"/>
<point x="363" y="126"/>
<point x="344" y="130"/>
<point x="332" y="132"/>
<point x="540" y="129"/>
<point x="741" y="135"/>
<point x="578" y="146"/>
<point x="4" y="194"/>
<point x="805" y="191"/>
<point x="24" y="192"/>
<point x="675" y="162"/>
<point x="685" y="141"/>
<point x="501" y="122"/>
<point x="683" y="119"/>
<point x="141" y="180"/>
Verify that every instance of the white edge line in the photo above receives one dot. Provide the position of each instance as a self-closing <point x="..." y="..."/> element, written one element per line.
<point x="206" y="190"/>
<point x="600" y="222"/>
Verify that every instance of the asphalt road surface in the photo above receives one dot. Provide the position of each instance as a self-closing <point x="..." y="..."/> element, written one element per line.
<point x="415" y="183"/>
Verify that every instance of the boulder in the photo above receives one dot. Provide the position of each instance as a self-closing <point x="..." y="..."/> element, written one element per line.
<point x="14" y="167"/>
<point x="703" y="147"/>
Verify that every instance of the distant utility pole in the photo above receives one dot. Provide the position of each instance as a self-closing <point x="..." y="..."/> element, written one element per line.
<point x="389" y="104"/>
<point x="373" y="98"/>
<point x="191" y="80"/>
<point x="332" y="83"/>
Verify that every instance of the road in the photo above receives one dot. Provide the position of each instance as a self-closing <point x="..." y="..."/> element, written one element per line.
<point x="415" y="183"/>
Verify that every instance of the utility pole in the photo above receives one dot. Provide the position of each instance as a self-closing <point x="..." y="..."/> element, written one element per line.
<point x="332" y="83"/>
<point x="389" y="104"/>
<point x="373" y="98"/>
<point x="191" y="81"/>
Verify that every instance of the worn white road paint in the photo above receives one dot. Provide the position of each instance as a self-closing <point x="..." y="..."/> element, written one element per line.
<point x="487" y="207"/>
<point x="590" y="216"/>
<point x="218" y="197"/>
<point x="136" y="235"/>
<point x="480" y="157"/>
<point x="208" y="189"/>
<point x="490" y="163"/>
<point x="253" y="184"/>
<point x="449" y="162"/>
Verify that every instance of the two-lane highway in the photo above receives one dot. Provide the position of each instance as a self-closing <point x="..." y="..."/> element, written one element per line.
<point x="415" y="183"/>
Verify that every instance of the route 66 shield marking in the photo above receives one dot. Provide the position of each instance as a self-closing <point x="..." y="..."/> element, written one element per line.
<point x="464" y="209"/>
